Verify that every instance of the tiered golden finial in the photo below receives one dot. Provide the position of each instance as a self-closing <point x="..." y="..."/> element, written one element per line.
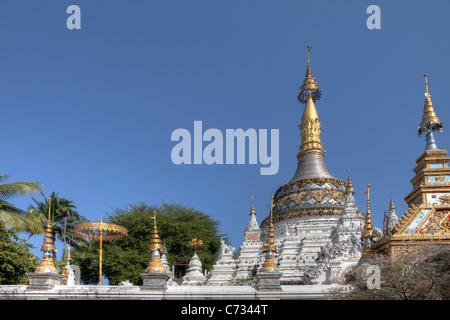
<point x="66" y="270"/>
<point x="270" y="248"/>
<point x="391" y="204"/>
<point x="48" y="247"/>
<point x="310" y="87"/>
<point x="252" y="209"/>
<point x="430" y="122"/>
<point x="349" y="189"/>
<point x="310" y="125"/>
<point x="69" y="257"/>
<point x="368" y="233"/>
<point x="368" y="228"/>
<point x="155" y="242"/>
<point x="155" y="248"/>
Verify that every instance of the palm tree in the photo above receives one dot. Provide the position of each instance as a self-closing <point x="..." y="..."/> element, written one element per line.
<point x="63" y="214"/>
<point x="11" y="216"/>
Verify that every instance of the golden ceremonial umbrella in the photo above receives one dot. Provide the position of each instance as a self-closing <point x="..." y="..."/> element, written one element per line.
<point x="100" y="231"/>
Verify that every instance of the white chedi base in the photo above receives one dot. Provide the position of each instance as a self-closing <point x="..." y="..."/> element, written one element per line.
<point x="250" y="259"/>
<point x="224" y="271"/>
<point x="194" y="273"/>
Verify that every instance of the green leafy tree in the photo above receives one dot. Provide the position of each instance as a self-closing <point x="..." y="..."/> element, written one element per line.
<point x="85" y="256"/>
<point x="15" y="257"/>
<point x="64" y="218"/>
<point x="126" y="259"/>
<point x="11" y="216"/>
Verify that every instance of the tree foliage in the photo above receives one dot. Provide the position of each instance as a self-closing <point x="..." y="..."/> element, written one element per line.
<point x="126" y="259"/>
<point x="11" y="216"/>
<point x="15" y="257"/>
<point x="63" y="217"/>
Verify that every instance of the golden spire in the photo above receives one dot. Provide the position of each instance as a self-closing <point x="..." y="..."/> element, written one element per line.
<point x="155" y="242"/>
<point x="310" y="130"/>
<point x="367" y="234"/>
<point x="48" y="247"/>
<point x="252" y="209"/>
<point x="270" y="248"/>
<point x="66" y="269"/>
<point x="391" y="204"/>
<point x="430" y="122"/>
<point x="349" y="188"/>
<point x="155" y="264"/>
<point x="309" y="87"/>
<point x="68" y="258"/>
<point x="310" y="125"/>
<point x="368" y="228"/>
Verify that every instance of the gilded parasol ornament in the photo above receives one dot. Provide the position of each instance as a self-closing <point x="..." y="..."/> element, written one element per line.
<point x="100" y="231"/>
<point x="195" y="243"/>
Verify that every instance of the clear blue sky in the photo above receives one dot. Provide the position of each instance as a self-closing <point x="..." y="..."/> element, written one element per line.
<point x="89" y="113"/>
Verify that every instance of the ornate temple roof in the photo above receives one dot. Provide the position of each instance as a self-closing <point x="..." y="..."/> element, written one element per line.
<point x="428" y="215"/>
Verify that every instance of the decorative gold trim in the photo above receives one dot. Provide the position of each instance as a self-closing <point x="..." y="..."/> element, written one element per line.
<point x="88" y="230"/>
<point x="100" y="231"/>
<point x="445" y="223"/>
<point x="409" y="217"/>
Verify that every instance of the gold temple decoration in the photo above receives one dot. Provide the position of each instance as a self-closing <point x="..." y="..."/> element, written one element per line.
<point x="309" y="87"/>
<point x="426" y="222"/>
<point x="368" y="233"/>
<point x="270" y="248"/>
<point x="391" y="204"/>
<point x="66" y="268"/>
<point x="48" y="247"/>
<point x="195" y="243"/>
<point x="100" y="231"/>
<point x="445" y="223"/>
<point x="155" y="243"/>
<point x="349" y="188"/>
<point x="430" y="122"/>
<point x="155" y="248"/>
<point x="445" y="199"/>
<point x="368" y="228"/>
<point x="310" y="125"/>
<point x="252" y="209"/>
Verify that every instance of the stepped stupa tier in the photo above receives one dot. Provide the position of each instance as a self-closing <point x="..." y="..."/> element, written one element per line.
<point x="313" y="191"/>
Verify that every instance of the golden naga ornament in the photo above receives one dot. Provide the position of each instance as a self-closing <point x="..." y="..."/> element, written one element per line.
<point x="100" y="231"/>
